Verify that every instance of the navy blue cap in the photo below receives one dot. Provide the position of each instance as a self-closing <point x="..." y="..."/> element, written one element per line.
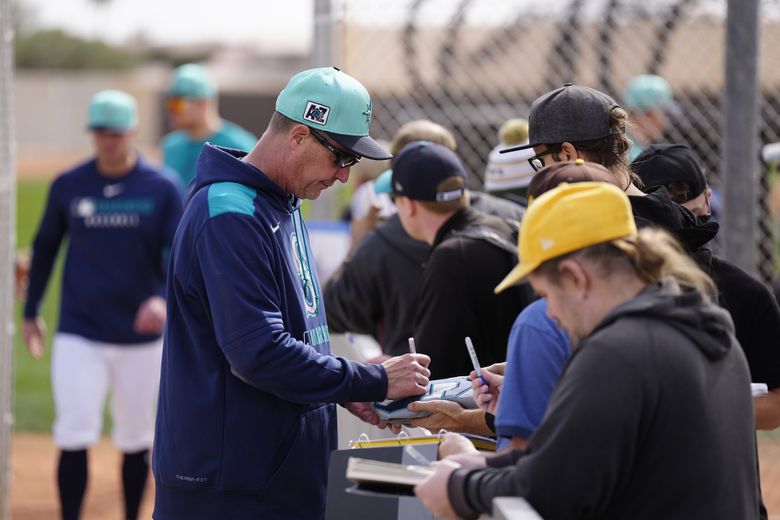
<point x="421" y="166"/>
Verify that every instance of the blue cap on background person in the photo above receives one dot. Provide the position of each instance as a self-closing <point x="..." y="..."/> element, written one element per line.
<point x="112" y="110"/>
<point x="648" y="92"/>
<point x="420" y="168"/>
<point x="331" y="101"/>
<point x="191" y="81"/>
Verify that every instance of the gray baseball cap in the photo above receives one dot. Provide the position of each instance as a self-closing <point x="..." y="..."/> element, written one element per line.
<point x="571" y="113"/>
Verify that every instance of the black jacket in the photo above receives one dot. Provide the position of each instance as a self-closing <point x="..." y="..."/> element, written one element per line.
<point x="457" y="299"/>
<point x="749" y="302"/>
<point x="652" y="418"/>
<point x="375" y="291"/>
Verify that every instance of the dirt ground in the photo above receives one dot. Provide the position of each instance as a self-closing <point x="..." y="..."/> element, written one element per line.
<point x="34" y="493"/>
<point x="34" y="490"/>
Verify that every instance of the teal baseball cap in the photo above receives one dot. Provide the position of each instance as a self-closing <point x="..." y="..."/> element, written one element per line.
<point x="648" y="91"/>
<point x="112" y="110"/>
<point x="329" y="100"/>
<point x="384" y="182"/>
<point x="191" y="81"/>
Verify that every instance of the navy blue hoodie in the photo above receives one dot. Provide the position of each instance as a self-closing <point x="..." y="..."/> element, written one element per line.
<point x="243" y="428"/>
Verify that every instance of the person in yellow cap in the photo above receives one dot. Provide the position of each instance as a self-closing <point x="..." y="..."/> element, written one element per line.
<point x="652" y="417"/>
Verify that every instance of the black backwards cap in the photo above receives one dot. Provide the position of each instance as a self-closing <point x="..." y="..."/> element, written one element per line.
<point x="662" y="164"/>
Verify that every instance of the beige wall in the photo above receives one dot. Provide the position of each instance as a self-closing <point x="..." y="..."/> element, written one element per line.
<point x="51" y="114"/>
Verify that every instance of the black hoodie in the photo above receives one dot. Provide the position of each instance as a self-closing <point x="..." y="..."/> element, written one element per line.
<point x="652" y="418"/>
<point x="376" y="290"/>
<point x="749" y="302"/>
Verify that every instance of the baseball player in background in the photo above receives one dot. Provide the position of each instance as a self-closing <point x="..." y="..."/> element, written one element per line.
<point x="193" y="112"/>
<point x="119" y="213"/>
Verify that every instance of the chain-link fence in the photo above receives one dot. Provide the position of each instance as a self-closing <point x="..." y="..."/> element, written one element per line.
<point x="472" y="64"/>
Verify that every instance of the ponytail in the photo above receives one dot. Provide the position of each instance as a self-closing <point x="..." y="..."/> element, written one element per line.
<point x="651" y="255"/>
<point x="655" y="254"/>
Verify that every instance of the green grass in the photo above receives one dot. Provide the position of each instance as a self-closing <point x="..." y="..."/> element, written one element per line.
<point x="33" y="405"/>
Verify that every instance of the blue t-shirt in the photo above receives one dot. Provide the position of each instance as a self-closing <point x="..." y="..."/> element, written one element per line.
<point x="536" y="354"/>
<point x="119" y="234"/>
<point x="181" y="153"/>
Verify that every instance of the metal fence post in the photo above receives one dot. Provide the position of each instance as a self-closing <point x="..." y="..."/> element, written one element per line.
<point x="322" y="56"/>
<point x="7" y="244"/>
<point x="740" y="135"/>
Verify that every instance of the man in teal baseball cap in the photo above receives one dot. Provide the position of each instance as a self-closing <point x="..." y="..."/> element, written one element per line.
<point x="327" y="100"/>
<point x="648" y="98"/>
<point x="246" y="360"/>
<point x="112" y="110"/>
<point x="193" y="112"/>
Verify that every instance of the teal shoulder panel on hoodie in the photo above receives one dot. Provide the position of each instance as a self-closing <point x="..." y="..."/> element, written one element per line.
<point x="231" y="197"/>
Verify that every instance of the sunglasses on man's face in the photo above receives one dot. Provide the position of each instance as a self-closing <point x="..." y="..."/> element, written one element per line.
<point x="176" y="104"/>
<point x="343" y="159"/>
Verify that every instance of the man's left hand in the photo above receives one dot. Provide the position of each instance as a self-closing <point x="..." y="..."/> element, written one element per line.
<point x="150" y="318"/>
<point x="433" y="490"/>
<point x="365" y="413"/>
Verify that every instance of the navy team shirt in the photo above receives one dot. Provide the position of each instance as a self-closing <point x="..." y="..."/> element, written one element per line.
<point x="119" y="233"/>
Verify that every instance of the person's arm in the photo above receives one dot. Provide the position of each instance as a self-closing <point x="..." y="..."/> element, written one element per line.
<point x="583" y="401"/>
<point x="450" y="416"/>
<point x="44" y="252"/>
<point x="243" y="293"/>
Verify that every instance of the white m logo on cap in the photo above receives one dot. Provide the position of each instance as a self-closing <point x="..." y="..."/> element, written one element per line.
<point x="316" y="113"/>
<point x="546" y="243"/>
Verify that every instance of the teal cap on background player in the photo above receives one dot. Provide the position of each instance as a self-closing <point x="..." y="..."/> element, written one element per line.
<point x="112" y="110"/>
<point x="648" y="91"/>
<point x="191" y="81"/>
<point x="384" y="182"/>
<point x="329" y="100"/>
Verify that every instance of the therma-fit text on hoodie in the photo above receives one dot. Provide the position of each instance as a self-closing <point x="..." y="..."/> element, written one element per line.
<point x="243" y="430"/>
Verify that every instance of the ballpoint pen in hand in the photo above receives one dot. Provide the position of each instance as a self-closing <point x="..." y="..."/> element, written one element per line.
<point x="474" y="360"/>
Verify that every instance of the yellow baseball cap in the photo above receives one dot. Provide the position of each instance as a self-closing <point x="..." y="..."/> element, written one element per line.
<point x="568" y="218"/>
